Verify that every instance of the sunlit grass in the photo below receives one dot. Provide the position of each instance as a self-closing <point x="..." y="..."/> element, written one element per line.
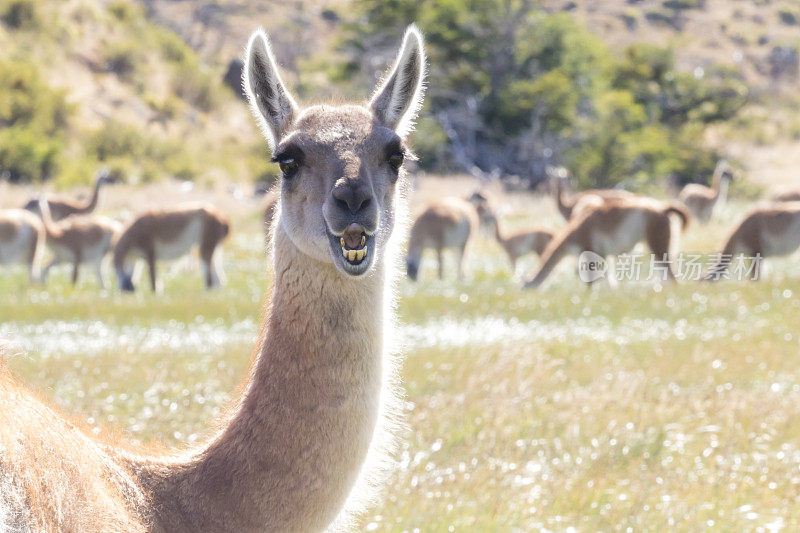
<point x="646" y="406"/>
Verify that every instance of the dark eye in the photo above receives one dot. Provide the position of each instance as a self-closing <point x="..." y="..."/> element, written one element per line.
<point x="396" y="160"/>
<point x="289" y="167"/>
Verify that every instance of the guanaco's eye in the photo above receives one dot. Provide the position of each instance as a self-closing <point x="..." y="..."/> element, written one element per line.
<point x="396" y="160"/>
<point x="289" y="167"/>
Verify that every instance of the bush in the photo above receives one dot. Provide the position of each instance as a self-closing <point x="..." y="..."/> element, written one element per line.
<point x="788" y="16"/>
<point x="25" y="99"/>
<point x="115" y="139"/>
<point x="122" y="11"/>
<point x="196" y="87"/>
<point x="19" y="14"/>
<point x="123" y="59"/>
<point x="26" y="155"/>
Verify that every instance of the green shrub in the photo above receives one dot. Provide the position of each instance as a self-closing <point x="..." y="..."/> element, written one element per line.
<point x="25" y="155"/>
<point x="26" y="99"/>
<point x="196" y="87"/>
<point x="116" y="139"/>
<point x="19" y="14"/>
<point x="123" y="59"/>
<point x="122" y="11"/>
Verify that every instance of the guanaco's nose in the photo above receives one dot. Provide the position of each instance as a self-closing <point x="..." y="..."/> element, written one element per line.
<point x="351" y="197"/>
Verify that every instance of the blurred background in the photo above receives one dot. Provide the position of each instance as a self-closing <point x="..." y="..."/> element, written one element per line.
<point x="619" y="91"/>
<point x="645" y="406"/>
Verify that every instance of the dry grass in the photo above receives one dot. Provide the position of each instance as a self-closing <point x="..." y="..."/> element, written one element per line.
<point x="645" y="407"/>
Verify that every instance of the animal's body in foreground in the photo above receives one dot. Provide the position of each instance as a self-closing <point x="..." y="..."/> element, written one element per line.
<point x="447" y="224"/>
<point x="170" y="233"/>
<point x="611" y="228"/>
<point x="308" y="430"/>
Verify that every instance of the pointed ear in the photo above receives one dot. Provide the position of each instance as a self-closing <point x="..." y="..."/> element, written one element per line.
<point x="398" y="98"/>
<point x="271" y="103"/>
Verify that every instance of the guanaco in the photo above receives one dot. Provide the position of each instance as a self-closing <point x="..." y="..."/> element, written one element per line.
<point x="170" y="233"/>
<point x="22" y="240"/>
<point x="309" y="436"/>
<point x="63" y="206"/>
<point x="449" y="223"/>
<point x="521" y="243"/>
<point x="768" y="231"/>
<point x="574" y="206"/>
<point x="614" y="227"/>
<point x="270" y="205"/>
<point x="701" y="200"/>
<point x="78" y="239"/>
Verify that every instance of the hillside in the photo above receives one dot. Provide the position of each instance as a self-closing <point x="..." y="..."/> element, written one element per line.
<point x="756" y="40"/>
<point x="136" y="98"/>
<point x="760" y="40"/>
<point x="142" y="91"/>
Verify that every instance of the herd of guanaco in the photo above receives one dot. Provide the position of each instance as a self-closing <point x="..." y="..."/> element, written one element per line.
<point x="604" y="221"/>
<point x="608" y="222"/>
<point x="74" y="235"/>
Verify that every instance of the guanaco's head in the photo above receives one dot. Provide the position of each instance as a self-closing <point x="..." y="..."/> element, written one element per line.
<point x="340" y="164"/>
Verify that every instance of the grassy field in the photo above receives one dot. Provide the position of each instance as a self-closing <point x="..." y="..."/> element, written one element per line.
<point x="641" y="407"/>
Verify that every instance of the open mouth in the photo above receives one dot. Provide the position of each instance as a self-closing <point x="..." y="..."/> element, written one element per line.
<point x="352" y="255"/>
<point x="354" y="248"/>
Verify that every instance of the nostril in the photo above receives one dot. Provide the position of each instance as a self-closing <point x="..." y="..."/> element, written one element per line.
<point x="364" y="204"/>
<point x="341" y="204"/>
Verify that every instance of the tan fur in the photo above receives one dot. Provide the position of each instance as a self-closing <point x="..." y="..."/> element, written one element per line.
<point x="270" y="206"/>
<point x="769" y="231"/>
<point x="701" y="200"/>
<point x="522" y="243"/>
<point x="63" y="206"/>
<point x="786" y="196"/>
<point x="22" y="238"/>
<point x="447" y="224"/>
<point x="169" y="233"/>
<point x="78" y="239"/>
<point x="569" y="207"/>
<point x="311" y="427"/>
<point x="612" y="228"/>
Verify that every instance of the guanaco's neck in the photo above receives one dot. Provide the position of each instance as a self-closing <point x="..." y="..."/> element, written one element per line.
<point x="50" y="227"/>
<point x="92" y="203"/>
<point x="293" y="449"/>
<point x="564" y="206"/>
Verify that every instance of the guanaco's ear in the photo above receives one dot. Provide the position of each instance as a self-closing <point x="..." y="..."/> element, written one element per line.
<point x="271" y="103"/>
<point x="398" y="98"/>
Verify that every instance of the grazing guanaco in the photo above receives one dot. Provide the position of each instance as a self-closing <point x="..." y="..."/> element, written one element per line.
<point x="170" y="233"/>
<point x="611" y="228"/>
<point x="768" y="231"/>
<point x="78" y="239"/>
<point x="62" y="206"/>
<point x="521" y="243"/>
<point x="446" y="224"/>
<point x="786" y="196"/>
<point x="701" y="200"/>
<point x="574" y="206"/>
<point x="311" y="429"/>
<point x="21" y="240"/>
